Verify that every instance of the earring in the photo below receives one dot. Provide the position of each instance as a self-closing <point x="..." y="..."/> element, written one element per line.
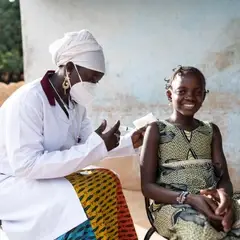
<point x="66" y="84"/>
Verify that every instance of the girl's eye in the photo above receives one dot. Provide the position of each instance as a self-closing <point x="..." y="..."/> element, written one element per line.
<point x="180" y="92"/>
<point x="199" y="92"/>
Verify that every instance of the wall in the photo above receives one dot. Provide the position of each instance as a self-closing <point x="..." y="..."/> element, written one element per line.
<point x="143" y="41"/>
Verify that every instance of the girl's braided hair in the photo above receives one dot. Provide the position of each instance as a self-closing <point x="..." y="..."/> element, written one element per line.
<point x="183" y="71"/>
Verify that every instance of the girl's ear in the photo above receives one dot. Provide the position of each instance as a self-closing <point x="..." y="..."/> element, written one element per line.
<point x="205" y="93"/>
<point x="169" y="95"/>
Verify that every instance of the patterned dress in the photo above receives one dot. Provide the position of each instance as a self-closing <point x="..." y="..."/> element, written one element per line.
<point x="185" y="165"/>
<point x="100" y="193"/>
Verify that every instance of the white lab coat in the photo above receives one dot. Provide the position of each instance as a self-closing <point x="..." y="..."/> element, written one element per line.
<point x="38" y="147"/>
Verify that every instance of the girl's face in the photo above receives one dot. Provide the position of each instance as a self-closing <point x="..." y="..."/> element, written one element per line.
<point x="187" y="94"/>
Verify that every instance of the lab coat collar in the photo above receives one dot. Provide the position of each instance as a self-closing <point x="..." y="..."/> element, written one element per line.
<point x="47" y="87"/>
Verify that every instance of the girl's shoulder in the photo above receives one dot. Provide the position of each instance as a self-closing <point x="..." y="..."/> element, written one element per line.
<point x="164" y="126"/>
<point x="205" y="127"/>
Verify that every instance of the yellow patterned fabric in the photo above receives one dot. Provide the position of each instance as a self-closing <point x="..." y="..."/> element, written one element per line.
<point x="184" y="164"/>
<point x="100" y="193"/>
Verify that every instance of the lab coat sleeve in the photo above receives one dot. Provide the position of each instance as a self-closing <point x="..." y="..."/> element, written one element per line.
<point x="27" y="156"/>
<point x="125" y="147"/>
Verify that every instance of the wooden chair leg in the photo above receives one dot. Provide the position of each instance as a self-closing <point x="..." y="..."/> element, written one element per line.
<point x="149" y="233"/>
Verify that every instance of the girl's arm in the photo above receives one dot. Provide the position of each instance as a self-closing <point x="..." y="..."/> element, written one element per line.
<point x="219" y="161"/>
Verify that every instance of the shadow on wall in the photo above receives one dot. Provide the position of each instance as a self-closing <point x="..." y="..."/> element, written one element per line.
<point x="7" y="89"/>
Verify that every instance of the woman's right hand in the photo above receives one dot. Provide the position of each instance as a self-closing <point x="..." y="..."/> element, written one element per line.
<point x="111" y="138"/>
<point x="204" y="205"/>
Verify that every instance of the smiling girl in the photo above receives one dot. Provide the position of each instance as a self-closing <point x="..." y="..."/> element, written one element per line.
<point x="184" y="170"/>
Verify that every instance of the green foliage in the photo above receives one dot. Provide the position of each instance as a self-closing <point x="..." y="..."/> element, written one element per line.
<point x="11" y="59"/>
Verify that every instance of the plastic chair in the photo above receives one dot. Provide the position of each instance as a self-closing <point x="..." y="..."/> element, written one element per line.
<point x="151" y="230"/>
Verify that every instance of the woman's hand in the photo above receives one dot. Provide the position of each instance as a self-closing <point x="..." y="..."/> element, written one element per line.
<point x="204" y="205"/>
<point x="111" y="138"/>
<point x="224" y="207"/>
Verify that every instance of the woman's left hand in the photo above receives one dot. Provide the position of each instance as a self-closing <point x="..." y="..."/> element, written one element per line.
<point x="137" y="137"/>
<point x="224" y="206"/>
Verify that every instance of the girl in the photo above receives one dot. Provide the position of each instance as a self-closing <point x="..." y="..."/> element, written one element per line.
<point x="184" y="170"/>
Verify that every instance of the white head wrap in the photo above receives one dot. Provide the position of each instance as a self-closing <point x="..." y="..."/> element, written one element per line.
<point x="81" y="48"/>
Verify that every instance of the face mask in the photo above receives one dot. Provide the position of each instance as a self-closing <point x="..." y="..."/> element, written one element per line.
<point x="82" y="92"/>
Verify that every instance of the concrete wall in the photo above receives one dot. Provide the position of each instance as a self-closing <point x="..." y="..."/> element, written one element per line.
<point x="143" y="41"/>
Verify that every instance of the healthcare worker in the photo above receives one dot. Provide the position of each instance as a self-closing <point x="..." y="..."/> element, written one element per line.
<point x="47" y="140"/>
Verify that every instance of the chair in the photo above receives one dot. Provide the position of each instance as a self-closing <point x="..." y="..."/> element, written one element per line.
<point x="152" y="230"/>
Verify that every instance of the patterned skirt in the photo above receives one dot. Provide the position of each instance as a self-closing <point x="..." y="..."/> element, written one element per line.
<point x="100" y="193"/>
<point x="184" y="222"/>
